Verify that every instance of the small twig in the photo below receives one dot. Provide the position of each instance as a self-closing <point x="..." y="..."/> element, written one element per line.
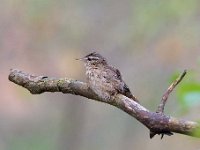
<point x="169" y="90"/>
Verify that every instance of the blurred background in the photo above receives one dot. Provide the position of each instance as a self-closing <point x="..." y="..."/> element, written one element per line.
<point x="150" y="42"/>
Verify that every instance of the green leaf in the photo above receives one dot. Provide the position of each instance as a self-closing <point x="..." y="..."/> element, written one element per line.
<point x="189" y="94"/>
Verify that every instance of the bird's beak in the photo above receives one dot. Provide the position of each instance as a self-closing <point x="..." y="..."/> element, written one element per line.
<point x="81" y="59"/>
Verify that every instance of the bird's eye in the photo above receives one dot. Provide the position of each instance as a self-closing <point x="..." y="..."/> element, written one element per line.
<point x="89" y="58"/>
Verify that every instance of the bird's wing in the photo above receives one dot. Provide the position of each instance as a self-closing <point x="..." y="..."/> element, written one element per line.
<point x="113" y="76"/>
<point x="114" y="73"/>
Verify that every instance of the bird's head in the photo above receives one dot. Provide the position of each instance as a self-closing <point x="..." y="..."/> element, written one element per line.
<point x="93" y="59"/>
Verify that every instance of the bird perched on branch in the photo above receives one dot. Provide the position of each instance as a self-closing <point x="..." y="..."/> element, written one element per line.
<point x="103" y="79"/>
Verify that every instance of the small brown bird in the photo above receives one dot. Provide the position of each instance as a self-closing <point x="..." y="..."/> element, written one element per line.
<point x="104" y="79"/>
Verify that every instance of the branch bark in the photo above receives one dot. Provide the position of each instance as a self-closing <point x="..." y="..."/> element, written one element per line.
<point x="157" y="123"/>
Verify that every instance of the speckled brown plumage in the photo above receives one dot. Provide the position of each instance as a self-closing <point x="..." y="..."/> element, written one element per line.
<point x="104" y="79"/>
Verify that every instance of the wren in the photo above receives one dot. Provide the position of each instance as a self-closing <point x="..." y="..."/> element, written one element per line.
<point x="104" y="80"/>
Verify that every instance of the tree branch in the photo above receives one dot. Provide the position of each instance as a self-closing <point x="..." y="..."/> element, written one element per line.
<point x="169" y="90"/>
<point x="157" y="123"/>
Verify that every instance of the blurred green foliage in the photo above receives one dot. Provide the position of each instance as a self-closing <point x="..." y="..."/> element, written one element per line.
<point x="188" y="92"/>
<point x="157" y="14"/>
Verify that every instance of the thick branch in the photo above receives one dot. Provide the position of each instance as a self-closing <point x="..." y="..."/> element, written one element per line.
<point x="158" y="123"/>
